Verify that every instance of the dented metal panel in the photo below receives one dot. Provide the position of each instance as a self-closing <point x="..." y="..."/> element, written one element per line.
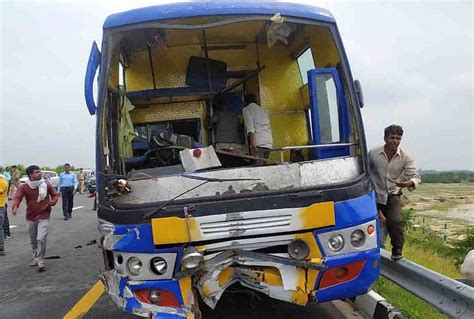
<point x="277" y="177"/>
<point x="330" y="171"/>
<point x="121" y="292"/>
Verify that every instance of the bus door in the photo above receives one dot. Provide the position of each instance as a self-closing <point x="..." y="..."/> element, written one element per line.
<point x="328" y="113"/>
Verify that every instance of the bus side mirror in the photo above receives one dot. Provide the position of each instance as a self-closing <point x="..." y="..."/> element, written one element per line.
<point x="92" y="65"/>
<point x="359" y="94"/>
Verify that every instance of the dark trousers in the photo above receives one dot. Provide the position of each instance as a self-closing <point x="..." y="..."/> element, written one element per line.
<point x="393" y="213"/>
<point x="67" y="194"/>
<point x="6" y="223"/>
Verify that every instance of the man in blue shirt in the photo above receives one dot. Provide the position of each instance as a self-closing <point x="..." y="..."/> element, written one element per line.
<point x="67" y="186"/>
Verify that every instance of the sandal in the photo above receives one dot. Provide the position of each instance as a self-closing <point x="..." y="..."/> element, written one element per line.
<point x="396" y="257"/>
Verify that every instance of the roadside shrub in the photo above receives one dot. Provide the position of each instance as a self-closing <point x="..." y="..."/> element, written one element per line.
<point x="462" y="246"/>
<point x="408" y="217"/>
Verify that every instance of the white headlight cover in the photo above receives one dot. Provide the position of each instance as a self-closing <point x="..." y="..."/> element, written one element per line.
<point x="349" y="240"/>
<point x="336" y="243"/>
<point x="134" y="266"/>
<point x="357" y="238"/>
<point x="154" y="266"/>
<point x="191" y="258"/>
<point x="158" y="265"/>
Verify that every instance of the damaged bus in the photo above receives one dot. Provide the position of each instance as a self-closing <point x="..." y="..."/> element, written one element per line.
<point x="184" y="215"/>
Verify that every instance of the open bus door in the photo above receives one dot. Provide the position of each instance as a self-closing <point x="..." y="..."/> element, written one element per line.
<point x="328" y="113"/>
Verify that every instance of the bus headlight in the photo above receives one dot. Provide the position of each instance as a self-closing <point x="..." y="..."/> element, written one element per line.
<point x="191" y="258"/>
<point x="134" y="266"/>
<point x="336" y="243"/>
<point x="158" y="265"/>
<point x="357" y="238"/>
<point x="298" y="249"/>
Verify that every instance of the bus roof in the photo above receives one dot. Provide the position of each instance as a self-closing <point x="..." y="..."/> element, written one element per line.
<point x="216" y="7"/>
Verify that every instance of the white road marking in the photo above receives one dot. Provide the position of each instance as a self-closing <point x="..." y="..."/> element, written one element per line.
<point x="78" y="207"/>
<point x="13" y="226"/>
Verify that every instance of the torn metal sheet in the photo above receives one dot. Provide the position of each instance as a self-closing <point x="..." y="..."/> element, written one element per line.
<point x="120" y="290"/>
<point x="291" y="283"/>
<point x="275" y="177"/>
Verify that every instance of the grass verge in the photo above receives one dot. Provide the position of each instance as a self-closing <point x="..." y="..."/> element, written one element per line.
<point x="426" y="250"/>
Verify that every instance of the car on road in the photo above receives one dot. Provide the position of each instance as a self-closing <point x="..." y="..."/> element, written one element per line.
<point x="50" y="176"/>
<point x="91" y="184"/>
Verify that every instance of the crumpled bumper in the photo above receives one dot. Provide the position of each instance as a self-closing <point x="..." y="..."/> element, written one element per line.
<point x="122" y="293"/>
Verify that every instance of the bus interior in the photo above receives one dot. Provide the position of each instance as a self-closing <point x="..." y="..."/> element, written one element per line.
<point x="163" y="79"/>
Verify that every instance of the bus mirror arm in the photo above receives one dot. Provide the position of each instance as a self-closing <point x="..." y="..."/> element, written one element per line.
<point x="92" y="66"/>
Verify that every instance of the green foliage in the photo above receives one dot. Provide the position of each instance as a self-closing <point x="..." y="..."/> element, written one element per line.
<point x="408" y="216"/>
<point x="429" y="240"/>
<point x="58" y="169"/>
<point x="447" y="177"/>
<point x="462" y="246"/>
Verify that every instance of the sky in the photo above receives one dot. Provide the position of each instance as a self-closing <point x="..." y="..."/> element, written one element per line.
<point x="414" y="60"/>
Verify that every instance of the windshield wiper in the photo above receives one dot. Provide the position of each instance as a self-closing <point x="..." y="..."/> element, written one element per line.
<point x="200" y="178"/>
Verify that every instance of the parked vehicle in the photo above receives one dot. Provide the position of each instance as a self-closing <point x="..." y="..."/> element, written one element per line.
<point x="50" y="176"/>
<point x="91" y="186"/>
<point x="181" y="221"/>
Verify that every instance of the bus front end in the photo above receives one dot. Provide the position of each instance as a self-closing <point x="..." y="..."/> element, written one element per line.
<point x="184" y="216"/>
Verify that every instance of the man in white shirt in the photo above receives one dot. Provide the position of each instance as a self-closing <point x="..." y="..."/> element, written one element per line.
<point x="257" y="126"/>
<point x="391" y="170"/>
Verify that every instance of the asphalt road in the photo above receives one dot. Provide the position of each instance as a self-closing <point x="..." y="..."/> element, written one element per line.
<point x="72" y="267"/>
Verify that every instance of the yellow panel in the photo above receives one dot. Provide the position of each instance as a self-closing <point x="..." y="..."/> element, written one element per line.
<point x="235" y="59"/>
<point x="272" y="276"/>
<point x="306" y="282"/>
<point x="280" y="81"/>
<point x="167" y="112"/>
<point x="170" y="68"/>
<point x="241" y="32"/>
<point x="305" y="95"/>
<point x="114" y="70"/>
<point x="225" y="275"/>
<point x="288" y="129"/>
<point x="186" y="292"/>
<point x="183" y="37"/>
<point x="314" y="252"/>
<point x="173" y="230"/>
<point x="323" y="47"/>
<point x="318" y="215"/>
<point x="244" y="32"/>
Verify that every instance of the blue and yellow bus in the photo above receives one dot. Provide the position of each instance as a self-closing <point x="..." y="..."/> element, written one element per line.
<point x="184" y="215"/>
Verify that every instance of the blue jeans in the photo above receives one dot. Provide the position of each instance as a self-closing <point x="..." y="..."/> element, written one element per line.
<point x="3" y="211"/>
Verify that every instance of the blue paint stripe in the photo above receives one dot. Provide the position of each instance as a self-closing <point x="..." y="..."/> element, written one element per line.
<point x="210" y="8"/>
<point x="359" y="285"/>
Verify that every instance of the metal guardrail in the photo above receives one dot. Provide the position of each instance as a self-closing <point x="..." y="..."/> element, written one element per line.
<point x="449" y="296"/>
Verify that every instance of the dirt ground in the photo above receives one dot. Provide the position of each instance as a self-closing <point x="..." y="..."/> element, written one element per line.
<point x="446" y="208"/>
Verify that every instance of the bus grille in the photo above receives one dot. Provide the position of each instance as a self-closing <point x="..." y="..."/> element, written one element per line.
<point x="237" y="227"/>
